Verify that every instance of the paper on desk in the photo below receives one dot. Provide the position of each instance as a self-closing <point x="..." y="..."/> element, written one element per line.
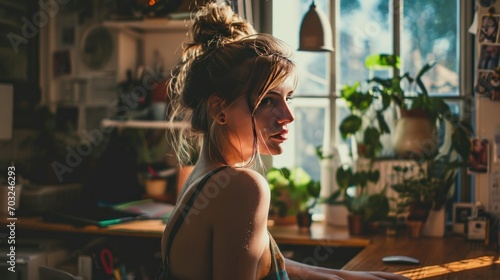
<point x="150" y="226"/>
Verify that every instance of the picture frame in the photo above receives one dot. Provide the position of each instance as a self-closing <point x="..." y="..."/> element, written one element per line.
<point x="489" y="57"/>
<point x="496" y="146"/>
<point x="479" y="156"/>
<point x="461" y="212"/>
<point x="66" y="31"/>
<point x="61" y="63"/>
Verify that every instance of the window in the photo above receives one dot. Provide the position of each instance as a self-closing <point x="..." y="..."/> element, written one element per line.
<point x="416" y="30"/>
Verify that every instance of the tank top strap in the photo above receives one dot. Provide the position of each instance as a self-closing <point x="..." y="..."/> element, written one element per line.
<point x="164" y="274"/>
<point x="278" y="270"/>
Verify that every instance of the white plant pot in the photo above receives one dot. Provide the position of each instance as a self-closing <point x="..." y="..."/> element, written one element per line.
<point x="435" y="224"/>
<point x="336" y="215"/>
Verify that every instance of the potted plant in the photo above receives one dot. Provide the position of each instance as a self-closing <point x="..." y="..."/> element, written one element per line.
<point x="363" y="207"/>
<point x="293" y="193"/>
<point x="365" y="123"/>
<point x="425" y="192"/>
<point x="415" y="133"/>
<point x="421" y="115"/>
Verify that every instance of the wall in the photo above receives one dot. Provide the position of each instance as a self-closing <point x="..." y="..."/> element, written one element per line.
<point x="487" y="189"/>
<point x="487" y="126"/>
<point x="134" y="45"/>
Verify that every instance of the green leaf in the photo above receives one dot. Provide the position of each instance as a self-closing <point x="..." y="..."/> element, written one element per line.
<point x="349" y="126"/>
<point x="344" y="177"/>
<point x="276" y="178"/>
<point x="360" y="178"/>
<point x="461" y="143"/>
<point x="282" y="208"/>
<point x="371" y="140"/>
<point x="314" y="188"/>
<point x="334" y="197"/>
<point x="320" y="154"/>
<point x="372" y="135"/>
<point x="300" y="178"/>
<point x="384" y="127"/>
<point x="422" y="71"/>
<point x="381" y="61"/>
<point x="377" y="207"/>
<point x="374" y="176"/>
<point x="348" y="90"/>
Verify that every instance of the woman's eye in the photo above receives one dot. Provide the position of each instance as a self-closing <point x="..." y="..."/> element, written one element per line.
<point x="289" y="99"/>
<point x="266" y="101"/>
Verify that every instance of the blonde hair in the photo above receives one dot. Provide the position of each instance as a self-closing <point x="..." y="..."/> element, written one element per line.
<point x="224" y="58"/>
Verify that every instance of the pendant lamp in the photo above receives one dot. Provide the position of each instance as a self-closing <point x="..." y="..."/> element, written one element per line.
<point x="315" y="32"/>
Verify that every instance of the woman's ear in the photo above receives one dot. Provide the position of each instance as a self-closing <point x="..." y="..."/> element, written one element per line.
<point x="215" y="108"/>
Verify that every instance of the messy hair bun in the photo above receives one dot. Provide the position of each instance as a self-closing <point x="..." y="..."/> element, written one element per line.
<point x="213" y="26"/>
<point x="214" y="62"/>
<point x="217" y="25"/>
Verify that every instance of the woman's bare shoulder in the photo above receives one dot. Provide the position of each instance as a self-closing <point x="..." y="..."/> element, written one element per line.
<point x="243" y="186"/>
<point x="246" y="179"/>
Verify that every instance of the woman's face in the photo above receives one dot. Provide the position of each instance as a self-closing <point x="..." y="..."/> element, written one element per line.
<point x="271" y="119"/>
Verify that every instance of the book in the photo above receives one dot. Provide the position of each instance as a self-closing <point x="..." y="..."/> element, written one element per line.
<point x="90" y="215"/>
<point x="147" y="208"/>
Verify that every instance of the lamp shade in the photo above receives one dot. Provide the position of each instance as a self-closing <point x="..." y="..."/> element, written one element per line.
<point x="315" y="32"/>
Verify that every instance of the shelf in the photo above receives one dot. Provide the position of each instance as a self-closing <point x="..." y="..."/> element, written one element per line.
<point x="142" y="124"/>
<point x="150" y="25"/>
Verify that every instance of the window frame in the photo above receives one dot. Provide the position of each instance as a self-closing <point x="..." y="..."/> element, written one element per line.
<point x="464" y="190"/>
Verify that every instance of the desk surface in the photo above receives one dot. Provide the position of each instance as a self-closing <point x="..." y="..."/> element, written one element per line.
<point x="319" y="234"/>
<point x="451" y="257"/>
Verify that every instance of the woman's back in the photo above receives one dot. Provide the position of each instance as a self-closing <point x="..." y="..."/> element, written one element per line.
<point x="224" y="232"/>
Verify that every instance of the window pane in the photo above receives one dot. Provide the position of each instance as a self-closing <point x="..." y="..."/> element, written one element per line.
<point x="363" y="28"/>
<point x="430" y="32"/>
<point x="312" y="67"/>
<point x="306" y="133"/>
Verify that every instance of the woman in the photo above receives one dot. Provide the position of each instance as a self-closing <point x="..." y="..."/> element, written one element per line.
<point x="233" y="85"/>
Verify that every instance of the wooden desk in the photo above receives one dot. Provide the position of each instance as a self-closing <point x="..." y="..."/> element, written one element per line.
<point x="38" y="224"/>
<point x="451" y="257"/>
<point x="318" y="235"/>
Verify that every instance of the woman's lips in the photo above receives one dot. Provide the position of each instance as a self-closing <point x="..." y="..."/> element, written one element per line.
<point x="282" y="136"/>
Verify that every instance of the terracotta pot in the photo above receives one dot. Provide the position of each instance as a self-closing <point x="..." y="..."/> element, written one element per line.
<point x="285" y="221"/>
<point x="304" y="220"/>
<point x="415" y="228"/>
<point x="356" y="224"/>
<point x="419" y="211"/>
<point x="415" y="135"/>
<point x="155" y="187"/>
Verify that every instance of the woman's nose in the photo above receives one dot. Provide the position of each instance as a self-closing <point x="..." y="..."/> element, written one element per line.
<point x="286" y="115"/>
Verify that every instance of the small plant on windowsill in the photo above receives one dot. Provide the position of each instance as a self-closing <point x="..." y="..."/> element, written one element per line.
<point x="363" y="207"/>
<point x="293" y="193"/>
<point x="428" y="189"/>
